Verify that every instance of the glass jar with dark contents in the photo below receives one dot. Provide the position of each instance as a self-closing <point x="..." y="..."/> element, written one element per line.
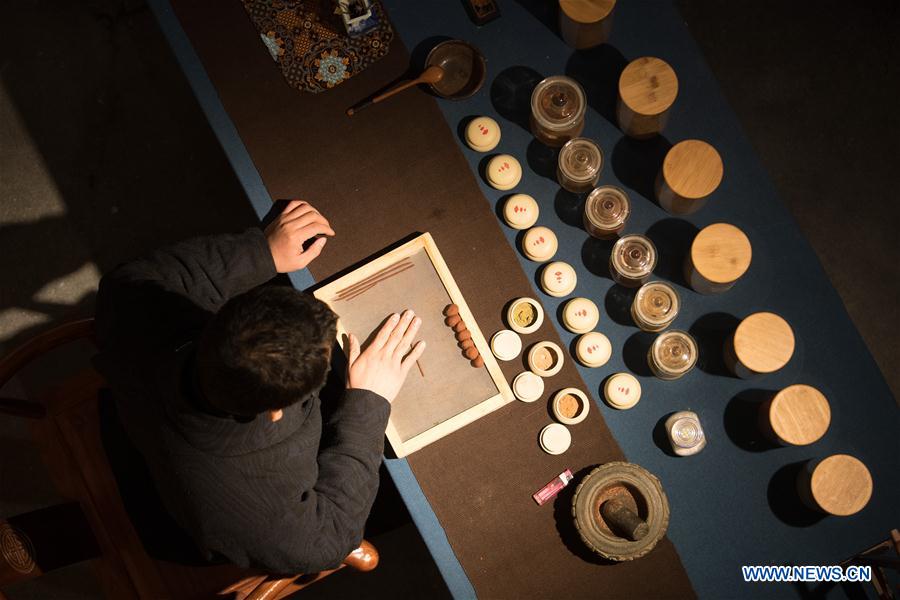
<point x="632" y="260"/>
<point x="579" y="164"/>
<point x="672" y="355"/>
<point x="655" y="306"/>
<point x="557" y="110"/>
<point x="606" y="210"/>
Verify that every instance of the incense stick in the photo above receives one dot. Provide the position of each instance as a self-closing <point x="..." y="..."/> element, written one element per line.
<point x="364" y="282"/>
<point x="373" y="283"/>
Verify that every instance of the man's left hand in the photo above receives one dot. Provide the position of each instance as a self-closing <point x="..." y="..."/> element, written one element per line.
<point x="296" y="225"/>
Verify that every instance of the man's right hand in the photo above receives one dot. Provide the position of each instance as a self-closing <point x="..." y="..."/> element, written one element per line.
<point x="382" y="368"/>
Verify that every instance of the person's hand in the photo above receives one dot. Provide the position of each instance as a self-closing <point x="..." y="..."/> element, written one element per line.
<point x="382" y="368"/>
<point x="297" y="224"/>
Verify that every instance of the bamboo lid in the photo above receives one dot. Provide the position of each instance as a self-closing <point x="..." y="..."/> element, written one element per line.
<point x="721" y="253"/>
<point x="799" y="414"/>
<point x="693" y="169"/>
<point x="841" y="485"/>
<point x="648" y="86"/>
<point x="764" y="342"/>
<point x="587" y="11"/>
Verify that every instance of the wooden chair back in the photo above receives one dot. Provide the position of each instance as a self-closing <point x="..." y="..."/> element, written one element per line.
<point x="66" y="426"/>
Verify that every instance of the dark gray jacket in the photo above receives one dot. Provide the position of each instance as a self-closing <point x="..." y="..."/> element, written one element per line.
<point x="289" y="497"/>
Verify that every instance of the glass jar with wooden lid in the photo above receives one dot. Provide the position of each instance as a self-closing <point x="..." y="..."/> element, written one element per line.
<point x="798" y="415"/>
<point x="632" y="260"/>
<point x="838" y="485"/>
<point x="647" y="90"/>
<point x="606" y="211"/>
<point x="585" y="24"/>
<point x="720" y="255"/>
<point x="762" y="343"/>
<point x="691" y="171"/>
<point x="557" y="110"/>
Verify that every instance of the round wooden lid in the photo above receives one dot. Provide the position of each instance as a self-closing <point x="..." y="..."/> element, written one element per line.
<point x="841" y="485"/>
<point x="558" y="279"/>
<point x="693" y="169"/>
<point x="764" y="342"/>
<point x="721" y="253"/>
<point x="580" y="315"/>
<point x="593" y="349"/>
<point x="800" y="414"/>
<point x="521" y="211"/>
<point x="539" y="243"/>
<point x="555" y="438"/>
<point x="648" y="86"/>
<point x="504" y="172"/>
<point x="483" y="134"/>
<point x="622" y="390"/>
<point x="528" y="386"/>
<point x="587" y="11"/>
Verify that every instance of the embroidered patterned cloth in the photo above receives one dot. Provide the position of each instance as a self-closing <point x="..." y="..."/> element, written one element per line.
<point x="310" y="44"/>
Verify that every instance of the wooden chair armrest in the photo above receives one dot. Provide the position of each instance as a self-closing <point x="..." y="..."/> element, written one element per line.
<point x="364" y="558"/>
<point x="270" y="589"/>
<point x="11" y="363"/>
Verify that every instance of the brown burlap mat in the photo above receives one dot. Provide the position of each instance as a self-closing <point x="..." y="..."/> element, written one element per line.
<point x="380" y="176"/>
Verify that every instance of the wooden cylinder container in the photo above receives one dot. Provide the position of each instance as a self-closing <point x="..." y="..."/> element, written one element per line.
<point x="691" y="171"/>
<point x="647" y="90"/>
<point x="585" y="23"/>
<point x="839" y="485"/>
<point x="762" y="343"/>
<point x="798" y="415"/>
<point x="720" y="254"/>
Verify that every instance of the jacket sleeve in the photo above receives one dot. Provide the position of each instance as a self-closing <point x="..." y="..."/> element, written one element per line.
<point x="154" y="302"/>
<point x="332" y="516"/>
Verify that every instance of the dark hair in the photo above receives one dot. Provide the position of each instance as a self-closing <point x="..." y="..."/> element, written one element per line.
<point x="265" y="349"/>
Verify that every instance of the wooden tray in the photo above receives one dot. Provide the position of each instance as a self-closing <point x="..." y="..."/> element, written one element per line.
<point x="446" y="392"/>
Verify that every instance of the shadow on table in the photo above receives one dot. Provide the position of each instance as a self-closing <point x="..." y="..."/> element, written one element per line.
<point x="597" y="70"/>
<point x="711" y="331"/>
<point x="672" y="238"/>
<point x="618" y="304"/>
<point x="565" y="522"/>
<point x="483" y="164"/>
<point x="569" y="207"/>
<point x="545" y="12"/>
<point x="634" y="353"/>
<point x="784" y="501"/>
<point x="132" y="162"/>
<point x="595" y="256"/>
<point x="637" y="162"/>
<point x="661" y="436"/>
<point x="741" y="421"/>
<point x="511" y="94"/>
<point x="542" y="159"/>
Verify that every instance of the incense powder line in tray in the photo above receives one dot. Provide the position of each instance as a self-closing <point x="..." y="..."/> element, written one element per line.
<point x="361" y="287"/>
